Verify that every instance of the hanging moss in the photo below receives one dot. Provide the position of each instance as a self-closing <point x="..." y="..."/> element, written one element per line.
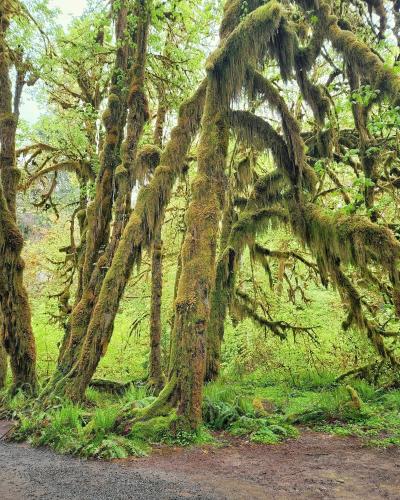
<point x="260" y="86"/>
<point x="355" y="240"/>
<point x="252" y="223"/>
<point x="379" y="7"/>
<point x="234" y="10"/>
<point x="147" y="159"/>
<point x="356" y="315"/>
<point x="305" y="57"/>
<point x="282" y="48"/>
<point x="247" y="42"/>
<point x="243" y="307"/>
<point x="255" y="131"/>
<point x="359" y="56"/>
<point x="267" y="189"/>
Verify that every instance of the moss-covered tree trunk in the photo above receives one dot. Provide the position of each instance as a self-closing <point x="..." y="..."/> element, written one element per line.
<point x="17" y="335"/>
<point x="156" y="379"/>
<point x="219" y="300"/>
<point x="98" y="250"/>
<point x="192" y="306"/>
<point x="3" y="367"/>
<point x="100" y="211"/>
<point x="225" y="78"/>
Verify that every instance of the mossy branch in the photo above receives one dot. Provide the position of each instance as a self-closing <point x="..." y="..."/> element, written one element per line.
<point x="247" y="42"/>
<point x="243" y="307"/>
<point x="358" y="55"/>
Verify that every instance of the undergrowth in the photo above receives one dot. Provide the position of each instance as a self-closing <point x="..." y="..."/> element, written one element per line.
<point x="263" y="409"/>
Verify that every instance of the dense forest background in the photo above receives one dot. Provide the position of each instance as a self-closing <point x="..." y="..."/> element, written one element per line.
<point x="200" y="230"/>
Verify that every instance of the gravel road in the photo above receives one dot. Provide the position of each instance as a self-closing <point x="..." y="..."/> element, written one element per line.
<point x="315" y="466"/>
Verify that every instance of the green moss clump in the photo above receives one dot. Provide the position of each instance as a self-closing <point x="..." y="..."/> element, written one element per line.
<point x="155" y="429"/>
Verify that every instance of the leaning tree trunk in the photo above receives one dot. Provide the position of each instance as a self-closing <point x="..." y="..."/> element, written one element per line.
<point x="99" y="212"/>
<point x="17" y="336"/>
<point x="138" y="233"/>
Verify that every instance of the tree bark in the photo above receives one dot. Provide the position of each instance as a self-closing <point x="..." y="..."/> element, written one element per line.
<point x="219" y="300"/>
<point x="16" y="334"/>
<point x="156" y="378"/>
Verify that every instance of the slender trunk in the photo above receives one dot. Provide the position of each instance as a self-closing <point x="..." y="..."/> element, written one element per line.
<point x="156" y="378"/>
<point x="3" y="367"/>
<point x="3" y="360"/>
<point x="219" y="302"/>
<point x="160" y="119"/>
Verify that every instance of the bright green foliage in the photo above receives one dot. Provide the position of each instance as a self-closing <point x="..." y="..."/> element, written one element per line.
<point x="308" y="302"/>
<point x="223" y="409"/>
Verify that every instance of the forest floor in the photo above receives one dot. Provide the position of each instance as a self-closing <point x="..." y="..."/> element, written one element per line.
<point x="315" y="465"/>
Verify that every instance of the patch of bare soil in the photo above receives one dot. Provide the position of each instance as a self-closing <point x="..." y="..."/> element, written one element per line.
<point x="315" y="465"/>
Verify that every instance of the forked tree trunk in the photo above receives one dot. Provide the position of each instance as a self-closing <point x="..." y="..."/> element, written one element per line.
<point x="99" y="212"/>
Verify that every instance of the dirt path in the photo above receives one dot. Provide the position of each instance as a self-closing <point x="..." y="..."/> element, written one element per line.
<point x="314" y="466"/>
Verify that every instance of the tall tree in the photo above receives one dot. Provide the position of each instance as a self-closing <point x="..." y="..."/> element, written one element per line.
<point x="16" y="335"/>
